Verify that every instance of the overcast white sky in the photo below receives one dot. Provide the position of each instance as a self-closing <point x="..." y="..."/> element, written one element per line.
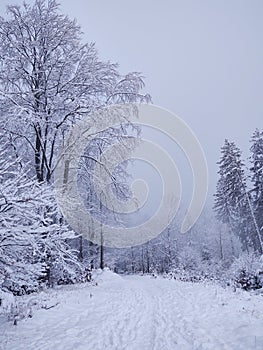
<point x="202" y="59"/>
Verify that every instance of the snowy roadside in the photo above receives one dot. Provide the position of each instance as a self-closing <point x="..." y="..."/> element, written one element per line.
<point x="139" y="312"/>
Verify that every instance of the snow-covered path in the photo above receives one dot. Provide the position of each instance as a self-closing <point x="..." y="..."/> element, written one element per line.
<point x="141" y="313"/>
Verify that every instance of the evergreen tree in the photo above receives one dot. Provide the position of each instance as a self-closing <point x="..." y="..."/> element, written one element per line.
<point x="231" y="199"/>
<point x="257" y="177"/>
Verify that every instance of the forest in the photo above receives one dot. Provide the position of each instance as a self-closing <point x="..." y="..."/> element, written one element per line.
<point x="49" y="80"/>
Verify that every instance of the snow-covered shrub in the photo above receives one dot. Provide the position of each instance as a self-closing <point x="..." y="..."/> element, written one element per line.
<point x="189" y="259"/>
<point x="17" y="308"/>
<point x="246" y="272"/>
<point x="7" y="302"/>
<point x="70" y="275"/>
<point x="18" y="282"/>
<point x="193" y="266"/>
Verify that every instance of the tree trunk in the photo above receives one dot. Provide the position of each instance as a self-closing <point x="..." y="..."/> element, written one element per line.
<point x="220" y="245"/>
<point x="101" y="252"/>
<point x="81" y="248"/>
<point x="38" y="154"/>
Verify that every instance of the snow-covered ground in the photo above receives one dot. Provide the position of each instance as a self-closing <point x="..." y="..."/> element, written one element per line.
<point x="140" y="313"/>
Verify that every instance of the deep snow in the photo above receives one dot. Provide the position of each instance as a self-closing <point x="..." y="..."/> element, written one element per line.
<point x="139" y="313"/>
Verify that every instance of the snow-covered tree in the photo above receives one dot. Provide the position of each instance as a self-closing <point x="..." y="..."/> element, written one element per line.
<point x="257" y="177"/>
<point x="33" y="244"/>
<point x="233" y="204"/>
<point x="49" y="78"/>
<point x="231" y="187"/>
